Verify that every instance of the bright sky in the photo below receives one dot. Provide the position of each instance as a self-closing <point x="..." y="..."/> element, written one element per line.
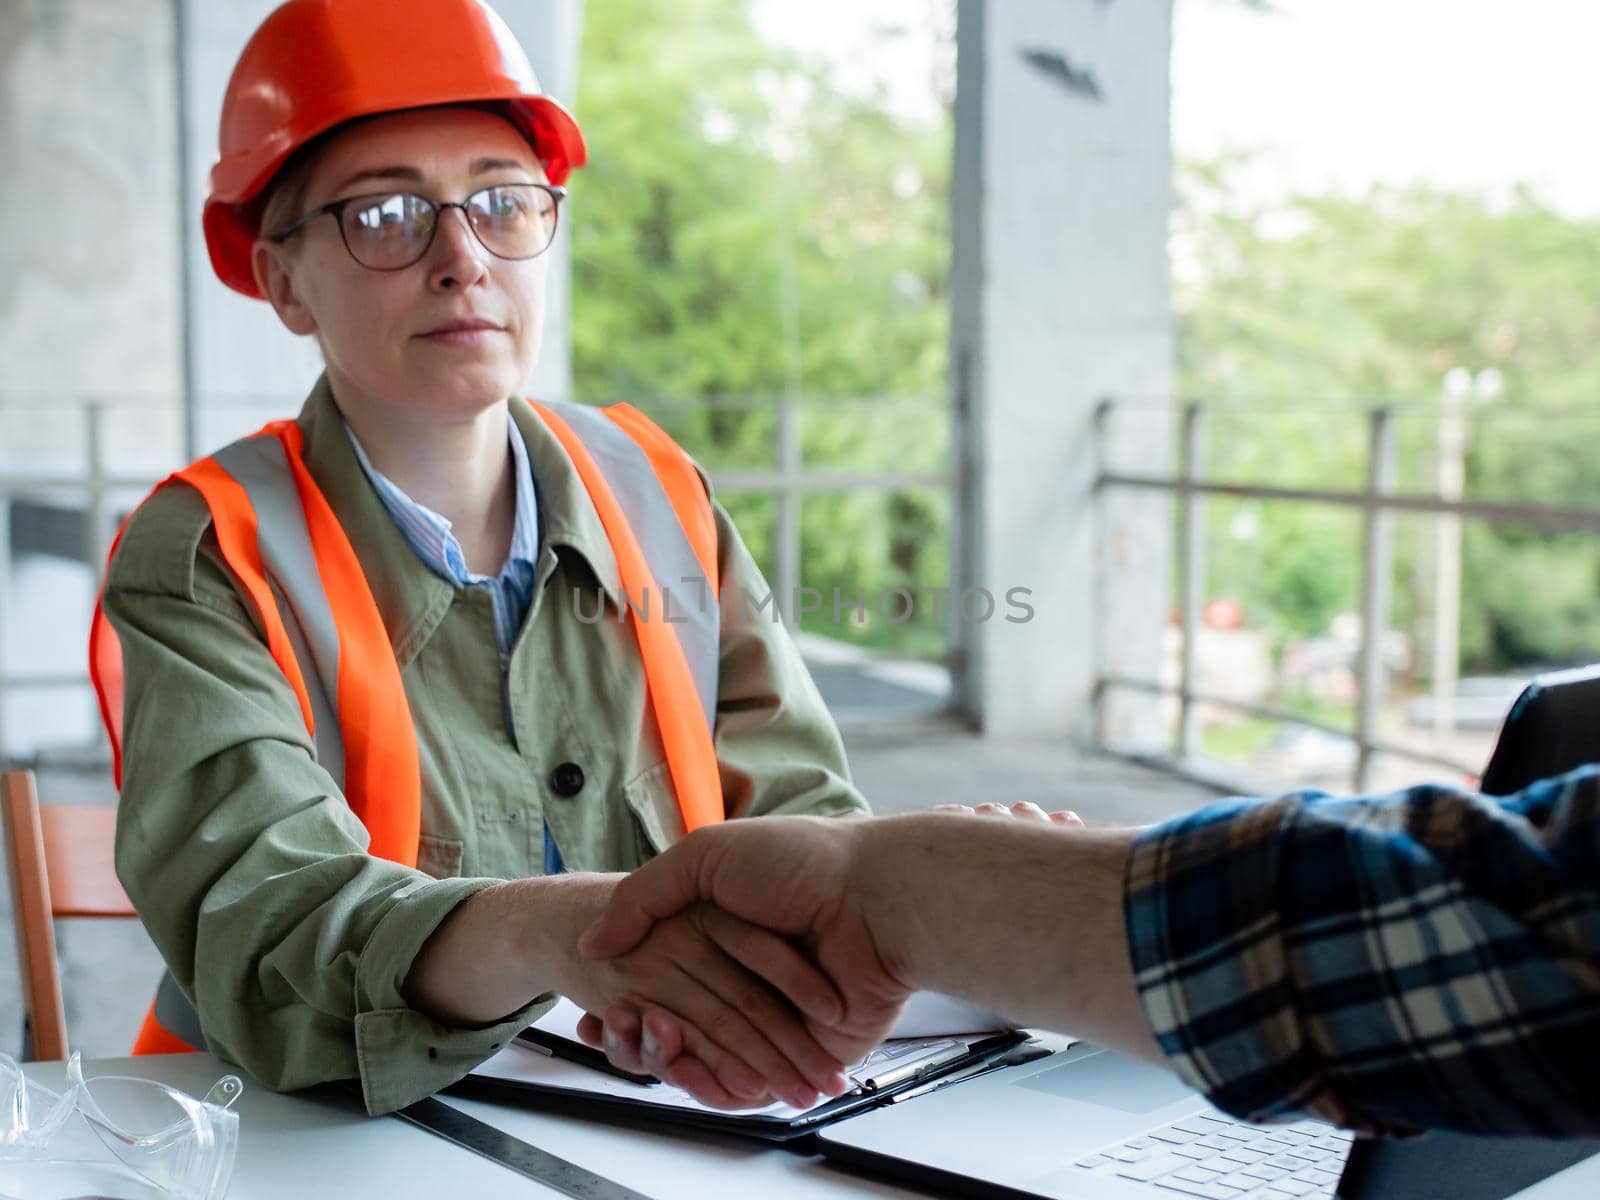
<point x="1470" y="95"/>
<point x="848" y="35"/>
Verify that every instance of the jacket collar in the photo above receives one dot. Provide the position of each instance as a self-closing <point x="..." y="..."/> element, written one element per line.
<point x="567" y="516"/>
<point x="411" y="598"/>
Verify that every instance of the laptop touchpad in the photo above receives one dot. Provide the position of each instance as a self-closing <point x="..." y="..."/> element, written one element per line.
<point x="1110" y="1079"/>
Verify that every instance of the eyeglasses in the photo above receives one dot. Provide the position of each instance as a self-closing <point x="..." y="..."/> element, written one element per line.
<point x="115" y="1135"/>
<point x="388" y="231"/>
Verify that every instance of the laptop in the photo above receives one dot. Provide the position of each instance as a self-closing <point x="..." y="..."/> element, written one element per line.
<point x="1093" y="1124"/>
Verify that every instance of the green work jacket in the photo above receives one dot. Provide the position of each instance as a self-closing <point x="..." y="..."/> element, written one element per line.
<point x="244" y="861"/>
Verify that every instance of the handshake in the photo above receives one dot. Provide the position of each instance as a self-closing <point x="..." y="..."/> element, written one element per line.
<point x="837" y="921"/>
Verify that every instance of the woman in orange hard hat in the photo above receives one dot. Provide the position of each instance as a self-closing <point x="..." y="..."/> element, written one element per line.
<point x="397" y="688"/>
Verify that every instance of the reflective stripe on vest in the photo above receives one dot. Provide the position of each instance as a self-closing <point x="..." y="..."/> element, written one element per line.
<point x="652" y="550"/>
<point x="282" y="542"/>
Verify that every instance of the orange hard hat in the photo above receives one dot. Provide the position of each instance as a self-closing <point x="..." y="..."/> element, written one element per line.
<point x="314" y="64"/>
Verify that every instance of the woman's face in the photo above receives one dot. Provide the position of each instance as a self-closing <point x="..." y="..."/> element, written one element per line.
<point x="394" y="341"/>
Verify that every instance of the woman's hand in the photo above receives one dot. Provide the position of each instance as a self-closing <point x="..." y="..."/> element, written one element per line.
<point x="1024" y="810"/>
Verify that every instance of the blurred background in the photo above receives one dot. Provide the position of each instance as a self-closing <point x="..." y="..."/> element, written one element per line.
<point x="1128" y="402"/>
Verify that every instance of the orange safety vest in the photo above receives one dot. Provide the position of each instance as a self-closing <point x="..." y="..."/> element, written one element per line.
<point x="285" y="547"/>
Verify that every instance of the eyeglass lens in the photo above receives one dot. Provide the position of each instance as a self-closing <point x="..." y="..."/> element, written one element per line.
<point x="387" y="232"/>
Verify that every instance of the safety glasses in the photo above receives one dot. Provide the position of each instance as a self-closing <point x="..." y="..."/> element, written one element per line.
<point x="114" y="1136"/>
<point x="389" y="231"/>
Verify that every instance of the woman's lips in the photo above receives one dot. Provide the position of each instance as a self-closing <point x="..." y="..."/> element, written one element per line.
<point x="467" y="333"/>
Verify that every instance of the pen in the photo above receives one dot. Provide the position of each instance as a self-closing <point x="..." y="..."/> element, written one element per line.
<point x="919" y="1060"/>
<point x="553" y="1045"/>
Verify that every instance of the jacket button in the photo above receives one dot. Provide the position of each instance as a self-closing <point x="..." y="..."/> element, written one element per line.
<point x="567" y="779"/>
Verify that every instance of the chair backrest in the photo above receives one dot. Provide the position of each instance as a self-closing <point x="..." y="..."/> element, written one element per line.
<point x="59" y="861"/>
<point x="1553" y="728"/>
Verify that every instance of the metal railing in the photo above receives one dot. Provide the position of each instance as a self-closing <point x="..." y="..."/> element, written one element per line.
<point x="1378" y="502"/>
<point x="95" y="485"/>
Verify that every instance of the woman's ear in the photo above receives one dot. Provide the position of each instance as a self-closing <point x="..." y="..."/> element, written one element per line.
<point x="270" y="263"/>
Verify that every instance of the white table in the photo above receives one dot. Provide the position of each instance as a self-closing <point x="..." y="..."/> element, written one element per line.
<point x="324" y="1145"/>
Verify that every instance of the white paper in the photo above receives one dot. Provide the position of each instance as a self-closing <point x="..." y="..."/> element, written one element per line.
<point x="520" y="1064"/>
<point x="929" y="1014"/>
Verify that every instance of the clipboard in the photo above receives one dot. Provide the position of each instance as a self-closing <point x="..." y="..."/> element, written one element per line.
<point x="532" y="1077"/>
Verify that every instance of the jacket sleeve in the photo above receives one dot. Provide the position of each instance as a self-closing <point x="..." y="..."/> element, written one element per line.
<point x="777" y="745"/>
<point x="241" y="856"/>
<point x="1428" y="959"/>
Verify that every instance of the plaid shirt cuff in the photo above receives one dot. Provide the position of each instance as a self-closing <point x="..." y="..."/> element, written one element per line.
<point x="1208" y="962"/>
<point x="1421" y="960"/>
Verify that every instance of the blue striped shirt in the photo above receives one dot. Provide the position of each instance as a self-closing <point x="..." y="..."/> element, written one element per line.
<point x="429" y="534"/>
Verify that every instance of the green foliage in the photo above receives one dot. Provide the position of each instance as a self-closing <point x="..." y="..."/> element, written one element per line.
<point x="1374" y="299"/>
<point x="744" y="231"/>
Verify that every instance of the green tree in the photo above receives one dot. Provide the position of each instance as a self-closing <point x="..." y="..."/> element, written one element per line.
<point x="1295" y="318"/>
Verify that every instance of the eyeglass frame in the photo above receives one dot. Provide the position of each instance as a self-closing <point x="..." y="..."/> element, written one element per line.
<point x="336" y="209"/>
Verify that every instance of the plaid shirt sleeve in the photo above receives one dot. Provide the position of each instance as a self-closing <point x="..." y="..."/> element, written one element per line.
<point x="1428" y="959"/>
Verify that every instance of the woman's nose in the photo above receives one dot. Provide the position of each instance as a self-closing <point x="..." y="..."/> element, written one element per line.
<point x="456" y="258"/>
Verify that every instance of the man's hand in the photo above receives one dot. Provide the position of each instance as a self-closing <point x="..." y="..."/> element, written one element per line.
<point x="653" y="1042"/>
<point x="794" y="876"/>
<point x="1024" y="917"/>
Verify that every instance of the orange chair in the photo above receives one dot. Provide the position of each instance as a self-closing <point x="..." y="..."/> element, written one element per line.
<point x="59" y="860"/>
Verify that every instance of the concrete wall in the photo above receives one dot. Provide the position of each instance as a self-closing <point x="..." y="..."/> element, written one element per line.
<point x="89" y="302"/>
<point x="1061" y="199"/>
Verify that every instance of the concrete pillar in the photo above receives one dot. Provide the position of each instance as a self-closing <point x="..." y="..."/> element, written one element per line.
<point x="1061" y="196"/>
<point x="244" y="362"/>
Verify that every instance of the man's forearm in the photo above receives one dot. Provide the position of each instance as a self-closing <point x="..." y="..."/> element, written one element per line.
<point x="1023" y="918"/>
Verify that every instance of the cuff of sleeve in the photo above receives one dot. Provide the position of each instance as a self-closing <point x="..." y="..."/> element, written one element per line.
<point x="1214" y="982"/>
<point x="403" y="1055"/>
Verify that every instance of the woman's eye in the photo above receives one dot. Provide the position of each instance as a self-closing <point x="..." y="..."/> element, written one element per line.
<point x="384" y="215"/>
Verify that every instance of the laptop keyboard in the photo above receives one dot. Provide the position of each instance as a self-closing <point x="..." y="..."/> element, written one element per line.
<point x="1217" y="1159"/>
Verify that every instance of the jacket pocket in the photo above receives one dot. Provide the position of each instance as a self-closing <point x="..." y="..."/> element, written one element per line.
<point x="657" y="821"/>
<point x="438" y="856"/>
